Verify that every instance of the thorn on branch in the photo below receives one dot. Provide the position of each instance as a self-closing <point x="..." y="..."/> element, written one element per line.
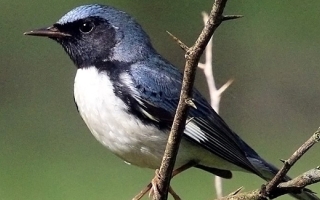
<point x="231" y="17"/>
<point x="235" y="192"/>
<point x="191" y="103"/>
<point x="272" y="185"/>
<point x="181" y="44"/>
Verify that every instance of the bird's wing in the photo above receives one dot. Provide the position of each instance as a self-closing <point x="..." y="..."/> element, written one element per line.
<point x="159" y="90"/>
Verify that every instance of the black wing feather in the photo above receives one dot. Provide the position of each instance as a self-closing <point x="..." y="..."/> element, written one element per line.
<point x="160" y="86"/>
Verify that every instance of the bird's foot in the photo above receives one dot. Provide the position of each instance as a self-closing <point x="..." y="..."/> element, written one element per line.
<point x="153" y="189"/>
<point x="143" y="192"/>
<point x="154" y="184"/>
<point x="174" y="194"/>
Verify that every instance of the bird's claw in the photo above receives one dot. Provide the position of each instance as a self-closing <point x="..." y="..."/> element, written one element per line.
<point x="155" y="189"/>
<point x="154" y="182"/>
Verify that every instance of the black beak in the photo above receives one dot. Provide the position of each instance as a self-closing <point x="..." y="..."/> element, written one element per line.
<point x="51" y="32"/>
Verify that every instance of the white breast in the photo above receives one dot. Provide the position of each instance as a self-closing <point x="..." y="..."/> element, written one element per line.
<point x="124" y="134"/>
<point x="106" y="117"/>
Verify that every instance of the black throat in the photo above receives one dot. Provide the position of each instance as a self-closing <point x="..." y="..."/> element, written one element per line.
<point x="88" y="48"/>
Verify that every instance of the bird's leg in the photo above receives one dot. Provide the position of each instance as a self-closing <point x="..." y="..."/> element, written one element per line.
<point x="143" y="192"/>
<point x="151" y="186"/>
<point x="183" y="168"/>
<point x="173" y="194"/>
<point x="154" y="184"/>
<point x="155" y="188"/>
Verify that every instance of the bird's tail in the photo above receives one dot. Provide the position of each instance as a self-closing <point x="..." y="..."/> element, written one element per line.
<point x="267" y="171"/>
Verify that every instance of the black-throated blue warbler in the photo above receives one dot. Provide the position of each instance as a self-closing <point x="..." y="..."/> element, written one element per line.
<point x="127" y="95"/>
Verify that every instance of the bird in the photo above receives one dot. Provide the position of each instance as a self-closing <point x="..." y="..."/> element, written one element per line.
<point x="127" y="95"/>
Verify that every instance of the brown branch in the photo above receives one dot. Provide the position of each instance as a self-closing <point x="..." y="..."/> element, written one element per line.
<point x="294" y="186"/>
<point x="290" y="162"/>
<point x="252" y="195"/>
<point x="310" y="177"/>
<point x="193" y="54"/>
<point x="192" y="58"/>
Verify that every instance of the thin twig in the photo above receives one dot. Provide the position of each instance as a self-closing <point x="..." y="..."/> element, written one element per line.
<point x="310" y="177"/>
<point x="294" y="186"/>
<point x="290" y="162"/>
<point x="215" y="93"/>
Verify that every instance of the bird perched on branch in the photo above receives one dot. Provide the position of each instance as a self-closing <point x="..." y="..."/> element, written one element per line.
<point x="127" y="95"/>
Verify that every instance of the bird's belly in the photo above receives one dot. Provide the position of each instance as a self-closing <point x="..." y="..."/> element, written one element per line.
<point x="106" y="117"/>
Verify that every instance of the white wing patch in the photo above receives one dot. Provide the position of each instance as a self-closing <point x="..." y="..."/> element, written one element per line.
<point x="195" y="132"/>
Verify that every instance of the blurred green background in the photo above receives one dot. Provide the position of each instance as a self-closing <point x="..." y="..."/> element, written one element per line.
<point x="46" y="151"/>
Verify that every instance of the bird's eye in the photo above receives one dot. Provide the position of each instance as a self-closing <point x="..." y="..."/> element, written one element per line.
<point x="86" y="27"/>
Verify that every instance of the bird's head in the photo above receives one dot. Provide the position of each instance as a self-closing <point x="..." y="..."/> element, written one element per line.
<point x="95" y="33"/>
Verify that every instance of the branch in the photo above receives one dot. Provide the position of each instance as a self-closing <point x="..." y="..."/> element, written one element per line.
<point x="293" y="159"/>
<point x="310" y="177"/>
<point x="192" y="58"/>
<point x="276" y="187"/>
<point x="252" y="195"/>
<point x="215" y="93"/>
<point x="293" y="186"/>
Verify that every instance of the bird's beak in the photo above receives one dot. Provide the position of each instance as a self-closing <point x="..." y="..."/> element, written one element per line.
<point x="51" y="32"/>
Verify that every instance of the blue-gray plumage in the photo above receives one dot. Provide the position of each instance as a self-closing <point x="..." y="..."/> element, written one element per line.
<point x="127" y="95"/>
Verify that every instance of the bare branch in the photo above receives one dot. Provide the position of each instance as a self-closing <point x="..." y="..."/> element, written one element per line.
<point x="225" y="86"/>
<point x="294" y="186"/>
<point x="192" y="58"/>
<point x="215" y="93"/>
<point x="218" y="186"/>
<point x="310" y="177"/>
<point x="161" y="181"/>
<point x="252" y="195"/>
<point x="290" y="162"/>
